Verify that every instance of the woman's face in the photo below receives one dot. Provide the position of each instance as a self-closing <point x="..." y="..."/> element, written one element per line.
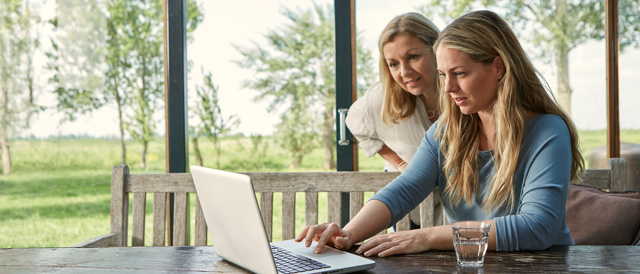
<point x="472" y="85"/>
<point x="411" y="63"/>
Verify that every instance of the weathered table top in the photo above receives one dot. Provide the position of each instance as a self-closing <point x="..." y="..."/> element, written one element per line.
<point x="602" y="259"/>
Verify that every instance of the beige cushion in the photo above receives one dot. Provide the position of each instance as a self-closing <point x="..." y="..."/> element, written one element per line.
<point x="596" y="217"/>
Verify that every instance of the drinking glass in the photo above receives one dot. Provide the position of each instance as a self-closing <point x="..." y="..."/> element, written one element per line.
<point x="470" y="240"/>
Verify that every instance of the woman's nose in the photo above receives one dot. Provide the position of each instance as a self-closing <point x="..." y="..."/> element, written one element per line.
<point x="449" y="84"/>
<point x="405" y="70"/>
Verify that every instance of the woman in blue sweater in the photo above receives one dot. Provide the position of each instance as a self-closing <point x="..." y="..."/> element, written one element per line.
<point x="503" y="151"/>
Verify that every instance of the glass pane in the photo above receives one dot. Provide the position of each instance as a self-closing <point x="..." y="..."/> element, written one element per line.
<point x="279" y="112"/>
<point x="629" y="59"/>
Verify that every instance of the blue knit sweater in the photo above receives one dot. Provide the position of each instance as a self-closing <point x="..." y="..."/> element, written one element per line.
<point x="541" y="181"/>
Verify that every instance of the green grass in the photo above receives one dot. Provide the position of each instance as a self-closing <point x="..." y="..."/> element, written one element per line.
<point x="58" y="192"/>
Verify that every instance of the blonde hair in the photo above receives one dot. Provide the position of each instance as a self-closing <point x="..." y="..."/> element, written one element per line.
<point x="398" y="104"/>
<point x="483" y="35"/>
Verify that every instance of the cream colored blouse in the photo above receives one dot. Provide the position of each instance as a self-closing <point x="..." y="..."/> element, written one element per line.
<point x="364" y="120"/>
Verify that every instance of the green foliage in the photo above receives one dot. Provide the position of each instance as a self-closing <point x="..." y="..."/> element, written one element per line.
<point x="212" y="124"/>
<point x="75" y="58"/>
<point x="18" y="45"/>
<point x="296" y="72"/>
<point x="135" y="64"/>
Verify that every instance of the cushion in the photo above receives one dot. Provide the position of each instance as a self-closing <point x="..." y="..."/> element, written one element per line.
<point x="596" y="217"/>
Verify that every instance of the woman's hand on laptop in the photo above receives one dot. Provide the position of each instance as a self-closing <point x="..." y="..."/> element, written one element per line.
<point x="325" y="234"/>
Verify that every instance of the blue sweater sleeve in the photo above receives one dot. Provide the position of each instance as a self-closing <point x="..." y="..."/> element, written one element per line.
<point x="416" y="182"/>
<point x="543" y="175"/>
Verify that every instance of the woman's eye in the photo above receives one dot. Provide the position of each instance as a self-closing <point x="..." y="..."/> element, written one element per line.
<point x="414" y="56"/>
<point x="393" y="65"/>
<point x="442" y="75"/>
<point x="459" y="73"/>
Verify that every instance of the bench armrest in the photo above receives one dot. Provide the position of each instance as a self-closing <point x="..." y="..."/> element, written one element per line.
<point x="107" y="240"/>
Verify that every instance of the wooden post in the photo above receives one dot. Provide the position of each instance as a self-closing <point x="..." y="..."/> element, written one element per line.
<point x="613" y="115"/>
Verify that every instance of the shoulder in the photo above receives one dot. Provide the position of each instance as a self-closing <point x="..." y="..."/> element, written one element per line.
<point x="370" y="102"/>
<point x="375" y="93"/>
<point x="547" y="123"/>
<point x="546" y="128"/>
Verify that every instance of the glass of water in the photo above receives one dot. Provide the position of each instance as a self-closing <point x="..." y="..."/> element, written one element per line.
<point x="470" y="240"/>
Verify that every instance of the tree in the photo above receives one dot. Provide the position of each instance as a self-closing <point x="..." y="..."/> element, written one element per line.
<point x="212" y="124"/>
<point x="298" y="74"/>
<point x="18" y="44"/>
<point x="117" y="65"/>
<point x="135" y="78"/>
<point x="75" y="58"/>
<point x="555" y="27"/>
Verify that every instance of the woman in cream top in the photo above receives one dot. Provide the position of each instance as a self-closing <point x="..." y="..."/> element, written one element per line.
<point x="364" y="122"/>
<point x="393" y="115"/>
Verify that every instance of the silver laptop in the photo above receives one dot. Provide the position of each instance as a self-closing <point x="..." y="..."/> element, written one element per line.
<point x="238" y="234"/>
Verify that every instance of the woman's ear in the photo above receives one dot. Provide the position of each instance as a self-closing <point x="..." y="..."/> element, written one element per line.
<point x="498" y="65"/>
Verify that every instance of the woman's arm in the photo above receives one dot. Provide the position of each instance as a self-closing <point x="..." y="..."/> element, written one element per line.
<point x="393" y="158"/>
<point x="372" y="218"/>
<point x="544" y="173"/>
<point x="414" y="241"/>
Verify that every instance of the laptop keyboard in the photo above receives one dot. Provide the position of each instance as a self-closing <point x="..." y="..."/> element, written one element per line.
<point x="288" y="262"/>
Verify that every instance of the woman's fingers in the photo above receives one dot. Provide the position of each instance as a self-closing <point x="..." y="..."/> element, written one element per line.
<point x="392" y="244"/>
<point x="324" y="234"/>
<point x="331" y="231"/>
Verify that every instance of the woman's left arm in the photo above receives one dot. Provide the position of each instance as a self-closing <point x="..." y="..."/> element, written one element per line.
<point x="543" y="173"/>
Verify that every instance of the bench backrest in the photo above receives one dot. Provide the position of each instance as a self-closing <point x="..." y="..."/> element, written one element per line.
<point x="614" y="178"/>
<point x="126" y="186"/>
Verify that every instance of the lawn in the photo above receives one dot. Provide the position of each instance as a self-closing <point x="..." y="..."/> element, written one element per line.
<point x="58" y="191"/>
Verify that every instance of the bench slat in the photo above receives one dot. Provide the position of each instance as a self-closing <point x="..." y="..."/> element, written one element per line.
<point x="139" y="210"/>
<point x="356" y="202"/>
<point x="311" y="208"/>
<point x="159" y="218"/>
<point x="201" y="225"/>
<point x="269" y="181"/>
<point x="266" y="209"/>
<point x="119" y="203"/>
<point x="180" y="219"/>
<point x="288" y="215"/>
<point x="334" y="203"/>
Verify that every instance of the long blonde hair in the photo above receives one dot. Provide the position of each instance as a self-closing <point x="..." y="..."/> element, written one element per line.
<point x="398" y="104"/>
<point x="483" y="35"/>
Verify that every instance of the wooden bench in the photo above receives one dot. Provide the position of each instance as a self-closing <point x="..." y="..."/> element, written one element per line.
<point x="124" y="185"/>
<point x="614" y="178"/>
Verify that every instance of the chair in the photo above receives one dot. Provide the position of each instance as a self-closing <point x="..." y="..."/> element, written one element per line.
<point x="124" y="185"/>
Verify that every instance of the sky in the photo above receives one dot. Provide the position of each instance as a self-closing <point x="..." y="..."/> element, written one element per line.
<point x="235" y="22"/>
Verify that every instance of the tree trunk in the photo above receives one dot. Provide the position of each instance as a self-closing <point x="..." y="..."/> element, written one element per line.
<point x="145" y="144"/>
<point x="196" y="150"/>
<point x="327" y="140"/>
<point x="564" y="89"/>
<point x="297" y="160"/>
<point x="562" y="64"/>
<point x="123" y="160"/>
<point x="4" y="131"/>
<point x="216" y="145"/>
<point x="6" y="153"/>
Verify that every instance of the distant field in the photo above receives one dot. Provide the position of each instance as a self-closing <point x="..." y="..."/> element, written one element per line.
<point x="58" y="192"/>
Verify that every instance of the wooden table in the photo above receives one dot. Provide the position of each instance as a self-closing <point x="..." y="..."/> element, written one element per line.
<point x="603" y="259"/>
